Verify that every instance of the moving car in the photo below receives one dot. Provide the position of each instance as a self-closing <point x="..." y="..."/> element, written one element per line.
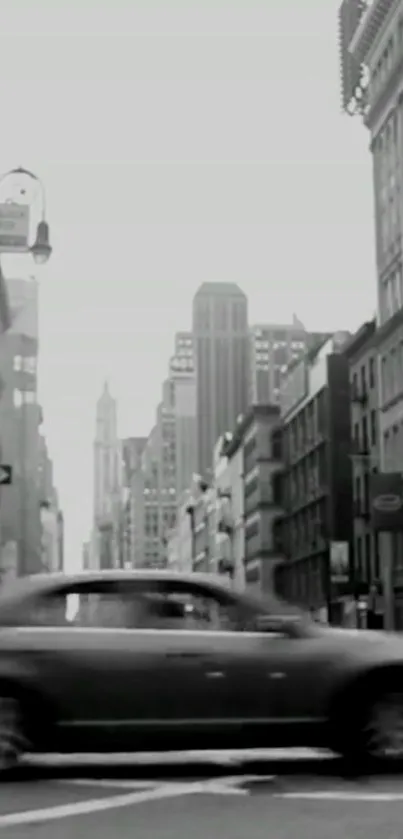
<point x="122" y="661"/>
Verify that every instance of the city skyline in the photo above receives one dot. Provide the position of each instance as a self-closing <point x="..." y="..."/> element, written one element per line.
<point x="148" y="202"/>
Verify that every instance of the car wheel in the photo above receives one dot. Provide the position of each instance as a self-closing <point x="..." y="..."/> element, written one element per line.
<point x="13" y="741"/>
<point x="382" y="727"/>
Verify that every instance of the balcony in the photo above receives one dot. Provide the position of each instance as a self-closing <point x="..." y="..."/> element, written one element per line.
<point x="359" y="395"/>
<point x="360" y="448"/>
<point x="225" y="515"/>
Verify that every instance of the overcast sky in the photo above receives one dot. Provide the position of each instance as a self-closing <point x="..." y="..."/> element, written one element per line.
<point x="179" y="142"/>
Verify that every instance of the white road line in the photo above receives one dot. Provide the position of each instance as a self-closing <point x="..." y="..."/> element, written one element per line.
<point x="112" y="783"/>
<point x="339" y="795"/>
<point x="225" y="757"/>
<point x="95" y="805"/>
<point x="229" y="785"/>
<point x="223" y="786"/>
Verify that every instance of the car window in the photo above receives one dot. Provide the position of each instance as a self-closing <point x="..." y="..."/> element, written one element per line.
<point x="190" y="610"/>
<point x="131" y="607"/>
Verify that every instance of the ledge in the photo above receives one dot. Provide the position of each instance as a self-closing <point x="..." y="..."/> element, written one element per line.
<point x="369" y="28"/>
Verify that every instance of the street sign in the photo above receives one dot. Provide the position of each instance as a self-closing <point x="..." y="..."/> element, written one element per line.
<point x="14" y="228"/>
<point x="6" y="474"/>
<point x="386" y="495"/>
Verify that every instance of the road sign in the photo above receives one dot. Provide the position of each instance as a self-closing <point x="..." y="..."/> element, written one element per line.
<point x="386" y="496"/>
<point x="14" y="227"/>
<point x="6" y="474"/>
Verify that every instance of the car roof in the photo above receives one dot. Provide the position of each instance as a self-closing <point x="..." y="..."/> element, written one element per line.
<point x="37" y="583"/>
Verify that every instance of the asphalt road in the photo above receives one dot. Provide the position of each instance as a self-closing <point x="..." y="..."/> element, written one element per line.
<point x="286" y="795"/>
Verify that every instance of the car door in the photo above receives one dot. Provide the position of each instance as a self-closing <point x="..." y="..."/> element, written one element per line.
<point x="97" y="676"/>
<point x="169" y="687"/>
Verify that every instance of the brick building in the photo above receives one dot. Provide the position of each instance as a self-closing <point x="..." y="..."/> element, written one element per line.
<point x="317" y="487"/>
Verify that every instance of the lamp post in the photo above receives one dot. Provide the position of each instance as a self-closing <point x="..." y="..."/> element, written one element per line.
<point x="15" y="239"/>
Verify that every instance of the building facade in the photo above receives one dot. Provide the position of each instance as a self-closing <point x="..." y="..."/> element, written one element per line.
<point x="372" y="75"/>
<point x="20" y="420"/>
<point x="230" y="525"/>
<point x="180" y="543"/>
<point x="183" y="389"/>
<point x="107" y="484"/>
<point x="260" y="465"/>
<point x="361" y="352"/>
<point x="317" y="484"/>
<point x="51" y="518"/>
<point x="221" y="349"/>
<point x="272" y="348"/>
<point x="132" y="450"/>
<point x="168" y="459"/>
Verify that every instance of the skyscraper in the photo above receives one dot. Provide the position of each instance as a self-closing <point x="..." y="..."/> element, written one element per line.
<point x="107" y="481"/>
<point x="272" y="348"/>
<point x="182" y="387"/>
<point x="221" y="348"/>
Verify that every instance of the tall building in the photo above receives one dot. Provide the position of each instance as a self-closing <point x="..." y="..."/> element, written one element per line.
<point x="165" y="460"/>
<point x="132" y="508"/>
<point x="361" y="352"/>
<point x="107" y="483"/>
<point x="159" y="482"/>
<point x="221" y="348"/>
<point x="183" y="392"/>
<point x="317" y="482"/>
<point x="372" y="86"/>
<point x="20" y="419"/>
<point x="51" y="516"/>
<point x="272" y="348"/>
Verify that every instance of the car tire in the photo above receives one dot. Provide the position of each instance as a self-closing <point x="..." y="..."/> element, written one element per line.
<point x="375" y="733"/>
<point x="13" y="738"/>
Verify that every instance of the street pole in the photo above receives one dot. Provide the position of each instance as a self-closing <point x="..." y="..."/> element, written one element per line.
<point x="386" y="548"/>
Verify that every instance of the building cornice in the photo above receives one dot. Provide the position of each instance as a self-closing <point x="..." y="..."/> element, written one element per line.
<point x="369" y="28"/>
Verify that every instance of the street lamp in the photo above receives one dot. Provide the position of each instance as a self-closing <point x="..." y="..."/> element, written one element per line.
<point x="41" y="249"/>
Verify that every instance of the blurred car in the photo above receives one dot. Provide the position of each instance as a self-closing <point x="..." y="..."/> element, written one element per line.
<point x="124" y="661"/>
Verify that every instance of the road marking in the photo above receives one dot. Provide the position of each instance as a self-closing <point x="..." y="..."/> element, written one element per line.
<point x="231" y="785"/>
<point x="94" y="805"/>
<point x="339" y="795"/>
<point x="225" y="757"/>
<point x="112" y="783"/>
<point x="222" y="786"/>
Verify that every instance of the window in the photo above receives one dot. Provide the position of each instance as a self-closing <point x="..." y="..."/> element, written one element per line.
<point x="372" y="372"/>
<point x="358" y="558"/>
<point x="365" y="433"/>
<point x="17" y="363"/>
<point x="373" y="428"/>
<point x="17" y="398"/>
<point x="23" y="397"/>
<point x="363" y="379"/>
<point x="368" y="558"/>
<point x="385" y="380"/>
